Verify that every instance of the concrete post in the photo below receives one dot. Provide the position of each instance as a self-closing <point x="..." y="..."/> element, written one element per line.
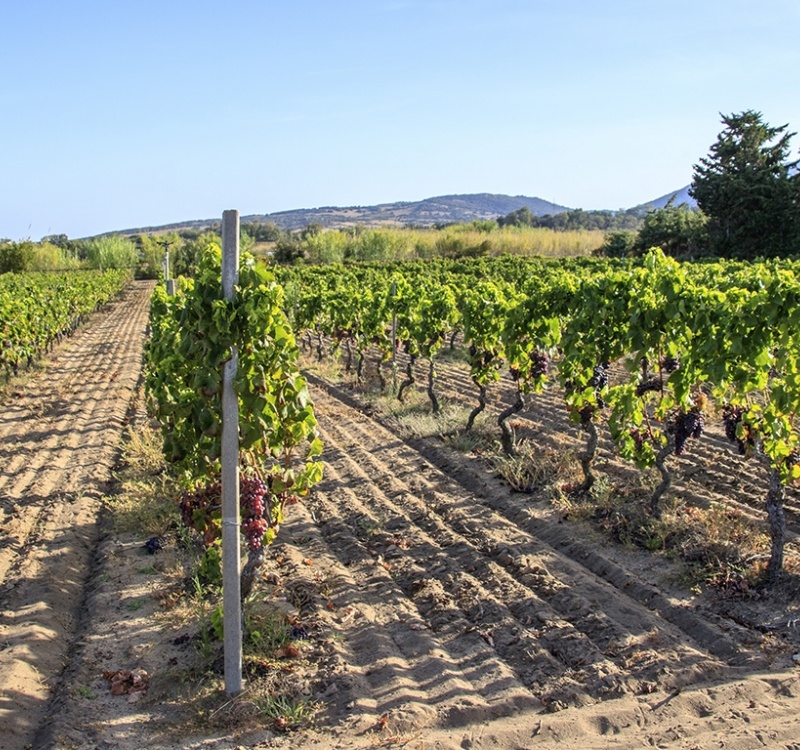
<point x="231" y="554"/>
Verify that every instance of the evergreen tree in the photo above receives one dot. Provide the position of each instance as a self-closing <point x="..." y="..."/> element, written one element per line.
<point x="749" y="189"/>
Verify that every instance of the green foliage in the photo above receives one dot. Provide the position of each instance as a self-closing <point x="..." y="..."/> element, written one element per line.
<point x="37" y="309"/>
<point x="575" y="219"/>
<point x="679" y="337"/>
<point x="750" y="189"/>
<point x="288" y="251"/>
<point x="15" y="257"/>
<point x="111" y="251"/>
<point x="262" y="231"/>
<point x="618" y="244"/>
<point x="679" y="231"/>
<point x="193" y="333"/>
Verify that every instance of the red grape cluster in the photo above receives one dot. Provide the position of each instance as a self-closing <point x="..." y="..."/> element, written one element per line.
<point x="199" y="507"/>
<point x="669" y="364"/>
<point x="653" y="384"/>
<point x="599" y="378"/>
<point x="539" y="364"/>
<point x="252" y="494"/>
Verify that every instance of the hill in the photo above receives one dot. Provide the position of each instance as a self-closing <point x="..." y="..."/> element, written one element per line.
<point x="443" y="209"/>
<point x="678" y="197"/>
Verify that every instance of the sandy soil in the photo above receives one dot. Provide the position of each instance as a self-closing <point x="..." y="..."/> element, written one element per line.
<point x="443" y="610"/>
<point x="59" y="437"/>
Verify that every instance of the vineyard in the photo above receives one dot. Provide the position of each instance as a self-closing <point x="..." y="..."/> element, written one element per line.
<point x="37" y="310"/>
<point x="435" y="587"/>
<point x="651" y="351"/>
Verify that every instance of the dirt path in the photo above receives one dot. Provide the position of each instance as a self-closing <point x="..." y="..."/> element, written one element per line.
<point x="59" y="437"/>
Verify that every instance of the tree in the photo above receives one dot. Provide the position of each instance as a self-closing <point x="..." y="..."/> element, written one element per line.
<point x="749" y="189"/>
<point x="618" y="244"/>
<point x="679" y="231"/>
<point x="522" y="217"/>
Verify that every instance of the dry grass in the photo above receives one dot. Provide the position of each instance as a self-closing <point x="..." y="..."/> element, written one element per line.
<point x="533" y="469"/>
<point x="145" y="497"/>
<point x="721" y="548"/>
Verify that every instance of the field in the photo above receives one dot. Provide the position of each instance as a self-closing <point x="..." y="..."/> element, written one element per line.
<point x="443" y="609"/>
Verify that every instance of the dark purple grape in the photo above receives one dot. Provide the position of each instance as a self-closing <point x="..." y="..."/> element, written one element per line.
<point x="690" y="424"/>
<point x="670" y="364"/>
<point x="653" y="384"/>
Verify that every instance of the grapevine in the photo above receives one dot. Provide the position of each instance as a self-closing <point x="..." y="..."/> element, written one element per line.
<point x="192" y="336"/>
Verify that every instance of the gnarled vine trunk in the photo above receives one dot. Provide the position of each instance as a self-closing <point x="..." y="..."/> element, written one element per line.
<point x="410" y="380"/>
<point x="348" y="350"/>
<point x="777" y="526"/>
<point x="479" y="408"/>
<point x="506" y="433"/>
<point x="255" y="559"/>
<point x="431" y="392"/>
<point x="587" y="457"/>
<point x="666" y="477"/>
<point x="320" y="347"/>
<point x="360" y="365"/>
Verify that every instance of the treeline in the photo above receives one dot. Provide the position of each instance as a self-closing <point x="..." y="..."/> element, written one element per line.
<point x="576" y="219"/>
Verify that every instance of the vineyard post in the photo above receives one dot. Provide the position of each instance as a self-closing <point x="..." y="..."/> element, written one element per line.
<point x="231" y="555"/>
<point x="393" y="294"/>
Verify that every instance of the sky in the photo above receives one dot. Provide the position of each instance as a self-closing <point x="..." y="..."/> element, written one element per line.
<point x="147" y="112"/>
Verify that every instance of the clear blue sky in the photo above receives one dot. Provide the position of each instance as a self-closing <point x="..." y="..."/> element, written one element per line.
<point x="125" y="114"/>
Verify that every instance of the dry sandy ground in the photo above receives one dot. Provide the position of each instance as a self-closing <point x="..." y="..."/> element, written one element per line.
<point x="442" y="609"/>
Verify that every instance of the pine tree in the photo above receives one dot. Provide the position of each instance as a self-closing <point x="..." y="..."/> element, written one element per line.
<point x="749" y="189"/>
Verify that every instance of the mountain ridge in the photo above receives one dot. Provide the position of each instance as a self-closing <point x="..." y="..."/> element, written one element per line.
<point x="442" y="209"/>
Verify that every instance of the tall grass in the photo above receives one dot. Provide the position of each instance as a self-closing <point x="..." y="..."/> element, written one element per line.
<point x="387" y="243"/>
<point x="111" y="251"/>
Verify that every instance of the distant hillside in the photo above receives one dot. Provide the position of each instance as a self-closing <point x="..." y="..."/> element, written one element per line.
<point x="678" y="197"/>
<point x="443" y="209"/>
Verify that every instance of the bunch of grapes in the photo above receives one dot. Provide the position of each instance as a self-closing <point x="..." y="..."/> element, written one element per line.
<point x="669" y="364"/>
<point x="599" y="380"/>
<point x="731" y="417"/>
<point x="653" y="384"/>
<point x="638" y="439"/>
<point x="600" y="376"/>
<point x="252" y="493"/>
<point x="688" y="424"/>
<point x="480" y="358"/>
<point x="539" y="364"/>
<point x="198" y="507"/>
